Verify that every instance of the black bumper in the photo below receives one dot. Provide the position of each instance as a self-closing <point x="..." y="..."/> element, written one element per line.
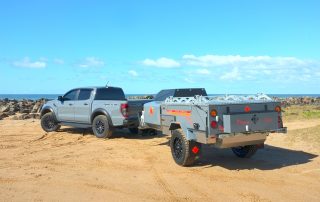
<point x="131" y="122"/>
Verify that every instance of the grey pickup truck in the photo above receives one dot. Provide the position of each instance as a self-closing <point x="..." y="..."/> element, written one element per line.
<point x="102" y="108"/>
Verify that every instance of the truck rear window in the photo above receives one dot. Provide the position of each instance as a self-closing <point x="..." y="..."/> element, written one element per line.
<point x="109" y="94"/>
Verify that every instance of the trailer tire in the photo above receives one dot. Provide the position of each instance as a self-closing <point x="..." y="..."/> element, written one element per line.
<point x="49" y="122"/>
<point x="184" y="152"/>
<point x="101" y="127"/>
<point x="245" y="151"/>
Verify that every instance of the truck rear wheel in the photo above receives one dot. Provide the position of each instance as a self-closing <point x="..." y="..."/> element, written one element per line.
<point x="101" y="127"/>
<point x="245" y="151"/>
<point x="49" y="122"/>
<point x="184" y="152"/>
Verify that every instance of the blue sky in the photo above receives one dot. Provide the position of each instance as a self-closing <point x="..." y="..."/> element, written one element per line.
<point x="144" y="46"/>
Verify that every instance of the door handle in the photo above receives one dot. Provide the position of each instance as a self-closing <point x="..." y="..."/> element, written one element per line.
<point x="70" y="104"/>
<point x="85" y="104"/>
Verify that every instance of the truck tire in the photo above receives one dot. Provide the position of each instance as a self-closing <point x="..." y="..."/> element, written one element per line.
<point x="49" y="122"/>
<point x="101" y="127"/>
<point x="134" y="131"/>
<point x="184" y="152"/>
<point x="245" y="151"/>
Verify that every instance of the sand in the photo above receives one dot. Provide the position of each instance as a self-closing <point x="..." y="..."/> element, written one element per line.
<point x="74" y="165"/>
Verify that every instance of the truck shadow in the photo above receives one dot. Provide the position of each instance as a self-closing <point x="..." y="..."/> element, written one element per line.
<point x="269" y="158"/>
<point x="118" y="133"/>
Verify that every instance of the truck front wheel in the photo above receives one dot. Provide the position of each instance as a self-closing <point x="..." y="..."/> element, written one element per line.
<point x="184" y="152"/>
<point x="245" y="151"/>
<point x="101" y="127"/>
<point x="49" y="122"/>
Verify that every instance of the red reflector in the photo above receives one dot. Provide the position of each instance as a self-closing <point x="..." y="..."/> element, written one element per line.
<point x="214" y="124"/>
<point x="247" y="109"/>
<point x="195" y="149"/>
<point x="221" y="128"/>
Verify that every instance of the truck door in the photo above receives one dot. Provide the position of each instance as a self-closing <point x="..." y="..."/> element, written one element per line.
<point x="82" y="106"/>
<point x="66" y="106"/>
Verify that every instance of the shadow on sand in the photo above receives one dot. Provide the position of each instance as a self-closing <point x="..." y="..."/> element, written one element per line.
<point x="269" y="158"/>
<point x="118" y="133"/>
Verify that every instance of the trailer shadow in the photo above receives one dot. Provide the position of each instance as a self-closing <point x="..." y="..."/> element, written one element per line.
<point x="269" y="158"/>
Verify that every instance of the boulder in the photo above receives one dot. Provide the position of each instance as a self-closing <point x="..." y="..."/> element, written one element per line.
<point x="3" y="115"/>
<point x="5" y="108"/>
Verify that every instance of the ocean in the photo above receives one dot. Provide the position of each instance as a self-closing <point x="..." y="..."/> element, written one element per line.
<point x="54" y="96"/>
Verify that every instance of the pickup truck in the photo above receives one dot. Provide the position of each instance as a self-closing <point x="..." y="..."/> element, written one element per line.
<point x="192" y="119"/>
<point x="102" y="108"/>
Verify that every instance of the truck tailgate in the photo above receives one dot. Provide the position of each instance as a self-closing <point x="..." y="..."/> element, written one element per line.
<point x="136" y="107"/>
<point x="246" y="122"/>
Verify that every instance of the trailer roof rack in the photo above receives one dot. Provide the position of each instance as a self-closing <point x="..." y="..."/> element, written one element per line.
<point x="228" y="99"/>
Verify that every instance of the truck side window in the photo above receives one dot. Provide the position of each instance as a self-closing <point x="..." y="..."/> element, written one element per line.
<point x="84" y="94"/>
<point x="70" y="95"/>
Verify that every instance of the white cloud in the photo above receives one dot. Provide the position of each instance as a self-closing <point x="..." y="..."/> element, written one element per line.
<point x="27" y="63"/>
<point x="161" y="62"/>
<point x="260" y="62"/>
<point x="202" y="71"/>
<point x="91" y="62"/>
<point x="133" y="73"/>
<point x="233" y="75"/>
<point x="58" y="61"/>
<point x="189" y="80"/>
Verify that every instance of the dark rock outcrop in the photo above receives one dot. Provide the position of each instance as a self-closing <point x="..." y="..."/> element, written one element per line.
<point x="22" y="109"/>
<point x="26" y="109"/>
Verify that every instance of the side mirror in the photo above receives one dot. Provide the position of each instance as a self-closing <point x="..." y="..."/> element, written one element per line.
<point x="60" y="98"/>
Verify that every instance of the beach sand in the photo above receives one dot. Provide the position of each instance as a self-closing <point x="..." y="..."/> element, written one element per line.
<point x="74" y="165"/>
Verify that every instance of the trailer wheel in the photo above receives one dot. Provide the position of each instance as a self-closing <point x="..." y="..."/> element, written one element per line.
<point x="49" y="122"/>
<point x="245" y="151"/>
<point x="134" y="131"/>
<point x="101" y="127"/>
<point x="184" y="152"/>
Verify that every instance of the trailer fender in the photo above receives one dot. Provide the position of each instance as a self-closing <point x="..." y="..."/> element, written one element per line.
<point x="188" y="133"/>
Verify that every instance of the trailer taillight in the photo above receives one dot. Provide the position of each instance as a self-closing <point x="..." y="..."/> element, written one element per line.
<point x="214" y="124"/>
<point x="213" y="113"/>
<point x="124" y="110"/>
<point x="247" y="109"/>
<point x="277" y="109"/>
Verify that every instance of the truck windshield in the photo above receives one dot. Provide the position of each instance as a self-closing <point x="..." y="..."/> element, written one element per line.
<point x="109" y="94"/>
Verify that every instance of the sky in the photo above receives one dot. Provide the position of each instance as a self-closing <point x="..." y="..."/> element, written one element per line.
<point x="143" y="46"/>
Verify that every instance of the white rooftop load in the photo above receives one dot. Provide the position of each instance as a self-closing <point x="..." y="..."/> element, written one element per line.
<point x="227" y="99"/>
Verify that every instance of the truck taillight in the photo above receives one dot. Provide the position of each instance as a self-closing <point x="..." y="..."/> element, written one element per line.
<point x="214" y="124"/>
<point x="124" y="110"/>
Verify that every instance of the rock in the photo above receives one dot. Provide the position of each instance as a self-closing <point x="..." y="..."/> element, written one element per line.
<point x="5" y="108"/>
<point x="25" y="116"/>
<point x="25" y="111"/>
<point x="3" y="115"/>
<point x="35" y="115"/>
<point x="36" y="107"/>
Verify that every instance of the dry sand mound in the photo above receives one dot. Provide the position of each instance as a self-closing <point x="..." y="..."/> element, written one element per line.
<point x="73" y="165"/>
